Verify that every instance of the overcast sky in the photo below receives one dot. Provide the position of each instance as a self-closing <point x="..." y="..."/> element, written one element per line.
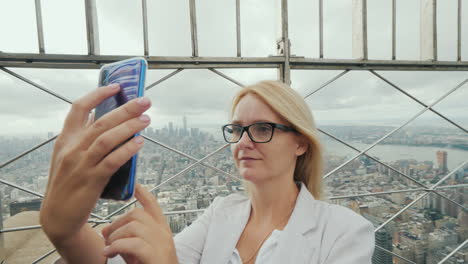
<point x="358" y="97"/>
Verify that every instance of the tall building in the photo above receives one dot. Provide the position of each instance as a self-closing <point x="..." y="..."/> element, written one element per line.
<point x="184" y="119"/>
<point x="442" y="160"/>
<point x="171" y="128"/>
<point x="384" y="240"/>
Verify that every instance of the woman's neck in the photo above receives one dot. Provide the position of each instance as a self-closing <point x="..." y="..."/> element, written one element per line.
<point x="272" y="201"/>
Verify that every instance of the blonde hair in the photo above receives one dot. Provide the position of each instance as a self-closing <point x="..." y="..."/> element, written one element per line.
<point x="288" y="104"/>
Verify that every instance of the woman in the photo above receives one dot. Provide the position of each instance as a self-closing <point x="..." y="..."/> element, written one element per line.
<point x="281" y="219"/>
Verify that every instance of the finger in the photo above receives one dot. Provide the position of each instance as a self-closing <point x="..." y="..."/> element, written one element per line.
<point x="80" y="109"/>
<point x="134" y="246"/>
<point x="132" y="109"/>
<point x="132" y="229"/>
<point x="137" y="214"/>
<point x="112" y="162"/>
<point x="150" y="204"/>
<point x="106" y="142"/>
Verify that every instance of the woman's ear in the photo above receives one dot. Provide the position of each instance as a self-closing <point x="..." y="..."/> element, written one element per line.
<point x="302" y="145"/>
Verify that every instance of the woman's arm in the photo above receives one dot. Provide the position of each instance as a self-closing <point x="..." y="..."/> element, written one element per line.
<point x="81" y="165"/>
<point x="85" y="247"/>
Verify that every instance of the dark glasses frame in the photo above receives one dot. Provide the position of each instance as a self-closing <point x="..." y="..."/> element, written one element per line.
<point x="247" y="128"/>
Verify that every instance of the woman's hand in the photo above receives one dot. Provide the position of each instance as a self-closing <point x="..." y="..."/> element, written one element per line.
<point x="142" y="235"/>
<point x="82" y="164"/>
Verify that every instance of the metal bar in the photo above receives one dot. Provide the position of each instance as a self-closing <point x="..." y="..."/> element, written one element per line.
<point x="420" y="197"/>
<point x="459" y="30"/>
<point x="6" y="163"/>
<point x="226" y="77"/>
<point x="159" y="62"/>
<point x="40" y="29"/>
<point x="393" y="29"/>
<point x="286" y="71"/>
<point x="396" y="129"/>
<point x="434" y="28"/>
<point x="374" y="159"/>
<point x="163" y="79"/>
<point x="190" y="157"/>
<point x="92" y="31"/>
<point x="145" y="27"/>
<point x="16" y="186"/>
<point x="193" y="28"/>
<point x="453" y="186"/>
<point x="419" y="102"/>
<point x="24" y="79"/>
<point x="453" y="252"/>
<point x="426" y="188"/>
<point x="41" y="258"/>
<point x="394" y="254"/>
<point x="397" y="191"/>
<point x="23" y="228"/>
<point x="375" y="194"/>
<point x="169" y="179"/>
<point x="364" y="29"/>
<point x="321" y="29"/>
<point x="238" y="29"/>
<point x="184" y="212"/>
<point x="327" y="83"/>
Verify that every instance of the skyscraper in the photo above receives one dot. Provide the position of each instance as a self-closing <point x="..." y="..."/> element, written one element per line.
<point x="184" y="119"/>
<point x="442" y="160"/>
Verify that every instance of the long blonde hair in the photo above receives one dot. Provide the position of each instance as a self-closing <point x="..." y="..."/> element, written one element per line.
<point x="288" y="104"/>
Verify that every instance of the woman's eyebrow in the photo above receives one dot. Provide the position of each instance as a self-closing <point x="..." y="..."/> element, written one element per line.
<point x="238" y="122"/>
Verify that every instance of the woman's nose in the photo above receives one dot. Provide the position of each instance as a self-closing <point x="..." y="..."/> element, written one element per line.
<point x="245" y="140"/>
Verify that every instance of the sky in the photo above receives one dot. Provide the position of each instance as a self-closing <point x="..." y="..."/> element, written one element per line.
<point x="204" y="97"/>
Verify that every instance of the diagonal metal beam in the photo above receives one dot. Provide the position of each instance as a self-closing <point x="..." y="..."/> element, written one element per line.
<point x="24" y="79"/>
<point x="393" y="169"/>
<point x="163" y="79"/>
<point x="226" y="77"/>
<point x="6" y="163"/>
<point x="397" y="191"/>
<point x="420" y="197"/>
<point x="418" y="101"/>
<point x="394" y="254"/>
<point x="169" y="179"/>
<point x="454" y="251"/>
<point x="40" y="195"/>
<point x="327" y="83"/>
<point x="190" y="157"/>
<point x="396" y="129"/>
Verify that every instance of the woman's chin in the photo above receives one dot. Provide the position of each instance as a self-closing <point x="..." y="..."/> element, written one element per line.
<point x="249" y="174"/>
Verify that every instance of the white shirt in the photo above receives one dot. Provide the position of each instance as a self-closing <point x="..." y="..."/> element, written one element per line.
<point x="317" y="233"/>
<point x="264" y="254"/>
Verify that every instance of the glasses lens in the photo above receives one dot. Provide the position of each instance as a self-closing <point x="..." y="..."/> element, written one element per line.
<point x="232" y="133"/>
<point x="261" y="132"/>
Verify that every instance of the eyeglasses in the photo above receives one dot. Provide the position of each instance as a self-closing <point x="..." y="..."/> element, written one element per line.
<point x="258" y="132"/>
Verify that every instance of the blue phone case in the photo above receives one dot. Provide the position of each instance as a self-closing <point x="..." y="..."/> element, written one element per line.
<point x="130" y="75"/>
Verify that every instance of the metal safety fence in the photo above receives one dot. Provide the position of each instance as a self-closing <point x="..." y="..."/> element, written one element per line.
<point x="284" y="62"/>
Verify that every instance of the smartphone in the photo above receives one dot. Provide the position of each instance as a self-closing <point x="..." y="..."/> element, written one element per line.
<point x="130" y="75"/>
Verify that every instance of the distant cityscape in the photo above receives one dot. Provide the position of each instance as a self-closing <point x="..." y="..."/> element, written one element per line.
<point x="424" y="233"/>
